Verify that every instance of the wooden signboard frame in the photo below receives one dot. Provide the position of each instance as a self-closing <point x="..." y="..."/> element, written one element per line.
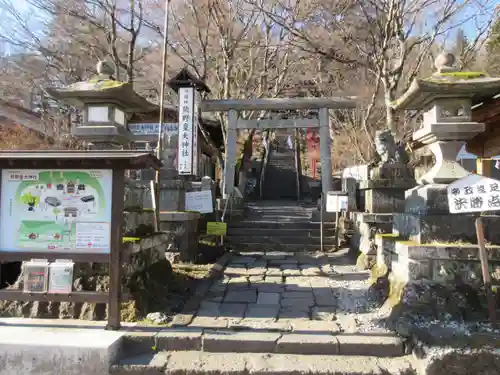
<point x="118" y="162"/>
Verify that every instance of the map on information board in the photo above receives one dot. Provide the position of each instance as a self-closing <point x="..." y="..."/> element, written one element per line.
<point x="48" y="210"/>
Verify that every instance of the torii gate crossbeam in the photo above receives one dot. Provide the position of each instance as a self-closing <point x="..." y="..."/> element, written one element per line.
<point x="233" y="107"/>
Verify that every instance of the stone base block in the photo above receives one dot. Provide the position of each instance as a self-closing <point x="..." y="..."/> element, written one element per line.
<point x="56" y="351"/>
<point x="172" y="195"/>
<point x="184" y="227"/>
<point x="107" y="133"/>
<point x="441" y="228"/>
<point x="385" y="244"/>
<point x="428" y="199"/>
<point x="137" y="221"/>
<point x="366" y="226"/>
<point x="393" y="172"/>
<point x="444" y="264"/>
<point x="385" y="196"/>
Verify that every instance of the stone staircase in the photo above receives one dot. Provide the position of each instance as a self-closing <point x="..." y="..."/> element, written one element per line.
<point x="273" y="313"/>
<point x="280" y="225"/>
<point x="280" y="178"/>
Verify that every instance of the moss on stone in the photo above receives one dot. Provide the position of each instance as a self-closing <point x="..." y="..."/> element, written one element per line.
<point x="396" y="289"/>
<point x="387" y="235"/>
<point x="138" y="210"/>
<point x="362" y="262"/>
<point x="130" y="239"/>
<point x="106" y="83"/>
<point x="408" y="242"/>
<point x="441" y="77"/>
<point x="464" y="75"/>
<point x="207" y="243"/>
<point x="128" y="312"/>
<point x="376" y="272"/>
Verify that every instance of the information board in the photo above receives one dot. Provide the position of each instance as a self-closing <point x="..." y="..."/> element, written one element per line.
<point x="474" y="193"/>
<point x="200" y="201"/>
<point x="336" y="202"/>
<point x="56" y="210"/>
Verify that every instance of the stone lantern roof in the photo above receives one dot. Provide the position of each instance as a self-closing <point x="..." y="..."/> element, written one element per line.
<point x="103" y="88"/>
<point x="447" y="82"/>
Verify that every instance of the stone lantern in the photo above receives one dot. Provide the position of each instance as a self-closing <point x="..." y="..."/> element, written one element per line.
<point x="446" y="100"/>
<point x="107" y="104"/>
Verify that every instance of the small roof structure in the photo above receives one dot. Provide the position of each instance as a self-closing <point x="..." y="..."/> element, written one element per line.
<point x="101" y="88"/>
<point x="56" y="159"/>
<point x="187" y="79"/>
<point x="447" y="83"/>
<point x="424" y="91"/>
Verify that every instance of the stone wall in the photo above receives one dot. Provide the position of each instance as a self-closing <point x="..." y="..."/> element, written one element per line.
<point x="183" y="227"/>
<point x="440" y="263"/>
<point x="138" y="215"/>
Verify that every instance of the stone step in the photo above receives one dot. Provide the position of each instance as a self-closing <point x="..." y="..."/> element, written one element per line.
<point x="272" y="224"/>
<point x="311" y="338"/>
<point x="281" y="164"/>
<point x="281" y="240"/>
<point x="281" y="210"/>
<point x="278" y="218"/>
<point x="266" y="247"/>
<point x="201" y="363"/>
<point x="278" y="232"/>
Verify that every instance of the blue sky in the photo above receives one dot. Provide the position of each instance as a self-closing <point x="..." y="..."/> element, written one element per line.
<point x="469" y="28"/>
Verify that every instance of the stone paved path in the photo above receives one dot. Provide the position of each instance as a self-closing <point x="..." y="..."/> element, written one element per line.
<point x="278" y="291"/>
<point x="275" y="313"/>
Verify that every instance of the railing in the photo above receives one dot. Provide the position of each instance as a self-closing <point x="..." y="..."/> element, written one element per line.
<point x="321" y="205"/>
<point x="267" y="148"/>
<point x="297" y="160"/>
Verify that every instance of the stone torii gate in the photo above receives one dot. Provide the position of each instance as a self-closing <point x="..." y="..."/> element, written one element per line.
<point x="233" y="107"/>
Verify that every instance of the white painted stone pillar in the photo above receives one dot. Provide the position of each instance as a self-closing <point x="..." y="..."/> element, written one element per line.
<point x="230" y="154"/>
<point x="325" y="153"/>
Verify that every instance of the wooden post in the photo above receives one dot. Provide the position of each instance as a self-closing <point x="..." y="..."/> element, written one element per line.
<point x="483" y="256"/>
<point x="337" y="229"/>
<point x="115" y="265"/>
<point x="484" y="167"/>
<point x="155" y="200"/>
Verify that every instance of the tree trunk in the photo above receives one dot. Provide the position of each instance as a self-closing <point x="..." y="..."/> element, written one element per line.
<point x="390" y="118"/>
